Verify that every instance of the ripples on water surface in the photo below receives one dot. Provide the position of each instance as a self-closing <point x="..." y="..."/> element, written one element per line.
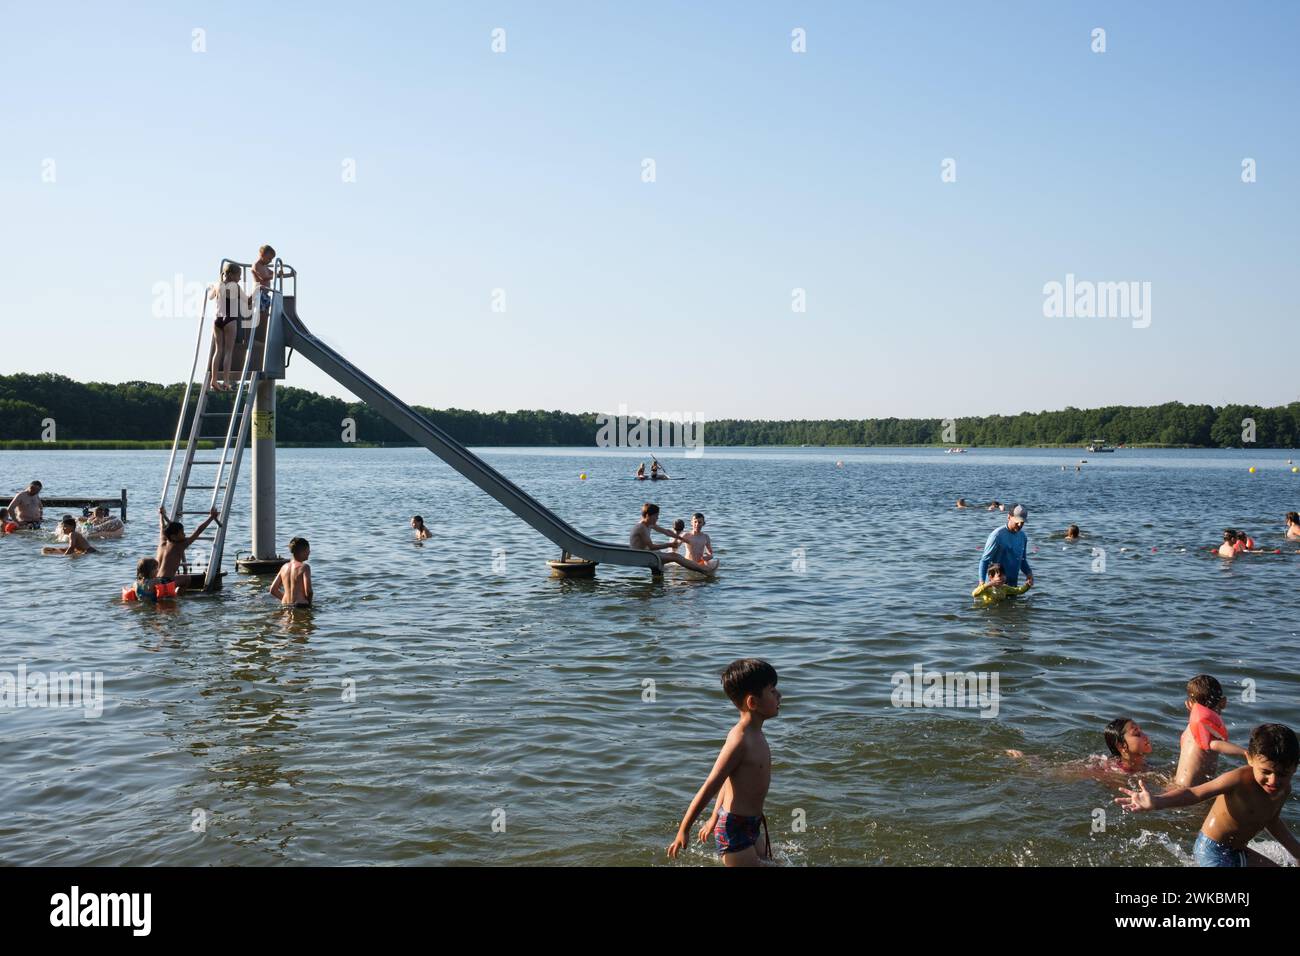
<point x="480" y="691"/>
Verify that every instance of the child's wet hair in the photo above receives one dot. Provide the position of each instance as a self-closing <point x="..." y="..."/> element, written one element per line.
<point x="418" y="519"/>
<point x="679" y="525"/>
<point x="1229" y="535"/>
<point x="67" y="522"/>
<point x="1114" y="733"/>
<point x="749" y="675"/>
<point x="1293" y="517"/>
<point x="649" y="509"/>
<point x="297" y="545"/>
<point x="1072" y="531"/>
<point x="1206" y="691"/>
<point x="1277" y="744"/>
<point x="146" y="568"/>
<point x="173" y="527"/>
<point x="994" y="568"/>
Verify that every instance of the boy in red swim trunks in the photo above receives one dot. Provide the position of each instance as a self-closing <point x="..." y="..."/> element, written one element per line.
<point x="743" y="771"/>
<point x="1206" y="735"/>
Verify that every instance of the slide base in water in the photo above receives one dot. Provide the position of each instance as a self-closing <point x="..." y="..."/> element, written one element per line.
<point x="573" y="568"/>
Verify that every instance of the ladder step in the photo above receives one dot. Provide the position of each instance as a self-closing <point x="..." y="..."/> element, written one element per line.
<point x="203" y="488"/>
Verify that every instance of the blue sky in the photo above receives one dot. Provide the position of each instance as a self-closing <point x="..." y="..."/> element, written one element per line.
<point x="521" y="171"/>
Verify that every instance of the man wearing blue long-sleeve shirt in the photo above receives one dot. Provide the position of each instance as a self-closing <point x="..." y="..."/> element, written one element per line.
<point x="1008" y="547"/>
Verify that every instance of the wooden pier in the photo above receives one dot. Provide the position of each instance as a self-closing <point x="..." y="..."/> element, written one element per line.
<point x="108" y="501"/>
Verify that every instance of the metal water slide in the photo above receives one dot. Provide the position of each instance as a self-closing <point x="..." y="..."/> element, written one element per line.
<point x="421" y="429"/>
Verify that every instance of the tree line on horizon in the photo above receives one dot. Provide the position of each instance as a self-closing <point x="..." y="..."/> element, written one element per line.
<point x="145" y="411"/>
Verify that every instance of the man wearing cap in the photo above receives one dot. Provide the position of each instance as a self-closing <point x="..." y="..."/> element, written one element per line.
<point x="1008" y="547"/>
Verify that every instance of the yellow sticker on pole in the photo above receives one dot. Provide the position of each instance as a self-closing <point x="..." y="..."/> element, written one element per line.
<point x="263" y="425"/>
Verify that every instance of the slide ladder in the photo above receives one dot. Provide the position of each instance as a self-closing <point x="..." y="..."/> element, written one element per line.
<point x="214" y="469"/>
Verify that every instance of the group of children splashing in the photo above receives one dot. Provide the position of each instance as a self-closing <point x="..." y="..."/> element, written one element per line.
<point x="1246" y="799"/>
<point x="26" y="512"/>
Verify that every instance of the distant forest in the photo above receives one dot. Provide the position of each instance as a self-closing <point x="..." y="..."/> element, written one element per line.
<point x="145" y="411"/>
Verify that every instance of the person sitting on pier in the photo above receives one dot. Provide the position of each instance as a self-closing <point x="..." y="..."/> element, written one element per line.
<point x="172" y="545"/>
<point x="641" y="540"/>
<point x="421" y="532"/>
<point x="293" y="584"/>
<point x="77" y="543"/>
<point x="26" y="509"/>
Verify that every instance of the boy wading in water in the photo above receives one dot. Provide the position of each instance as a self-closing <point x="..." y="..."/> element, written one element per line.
<point x="293" y="584"/>
<point x="743" y="771"/>
<point x="1246" y="800"/>
<point x="1206" y="735"/>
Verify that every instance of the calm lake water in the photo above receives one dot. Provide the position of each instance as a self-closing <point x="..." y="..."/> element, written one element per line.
<point x="487" y="691"/>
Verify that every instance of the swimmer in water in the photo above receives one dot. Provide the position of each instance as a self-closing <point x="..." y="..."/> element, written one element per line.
<point x="101" y="524"/>
<point x="1292" y="524"/>
<point x="640" y="472"/>
<point x="961" y="502"/>
<point x="1128" y="747"/>
<point x="1072" y="533"/>
<point x="293" y="584"/>
<point x="421" y="532"/>
<point x="1246" y="800"/>
<point x="1127" y="744"/>
<point x="77" y="543"/>
<point x="1228" y="549"/>
<point x="995" y="506"/>
<point x="996" y="589"/>
<point x="146" y="578"/>
<point x="1206" y="736"/>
